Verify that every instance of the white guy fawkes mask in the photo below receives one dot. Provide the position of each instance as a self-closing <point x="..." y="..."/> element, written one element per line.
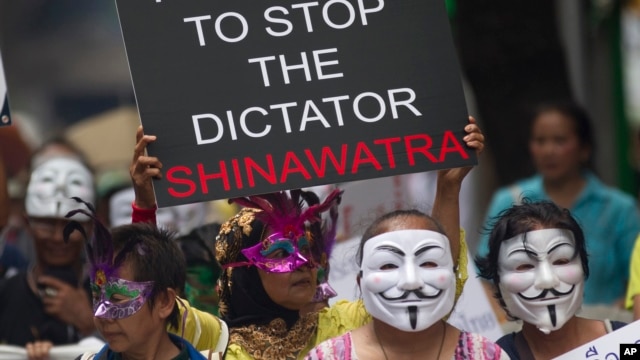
<point x="120" y="210"/>
<point x="53" y="183"/>
<point x="541" y="277"/>
<point x="120" y="207"/>
<point x="181" y="218"/>
<point x="407" y="278"/>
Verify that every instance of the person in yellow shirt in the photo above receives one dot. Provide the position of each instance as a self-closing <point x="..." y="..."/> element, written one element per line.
<point x="632" y="301"/>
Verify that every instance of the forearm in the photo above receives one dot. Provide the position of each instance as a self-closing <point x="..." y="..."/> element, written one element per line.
<point x="446" y="209"/>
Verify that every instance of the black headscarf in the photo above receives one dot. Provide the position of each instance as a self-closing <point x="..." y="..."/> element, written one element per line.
<point x="251" y="305"/>
<point x="263" y="328"/>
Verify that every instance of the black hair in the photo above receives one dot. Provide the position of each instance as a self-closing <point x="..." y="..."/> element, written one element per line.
<point x="63" y="142"/>
<point x="581" y="123"/>
<point x="523" y="218"/>
<point x="196" y="247"/>
<point x="156" y="258"/>
<point x="197" y="244"/>
<point x="378" y="227"/>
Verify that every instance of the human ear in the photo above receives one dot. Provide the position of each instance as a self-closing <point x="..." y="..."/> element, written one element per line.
<point x="165" y="303"/>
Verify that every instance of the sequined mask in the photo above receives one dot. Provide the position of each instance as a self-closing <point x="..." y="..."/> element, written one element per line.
<point x="279" y="253"/>
<point x="116" y="298"/>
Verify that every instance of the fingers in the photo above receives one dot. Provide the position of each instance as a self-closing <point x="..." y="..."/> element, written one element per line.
<point x="142" y="165"/>
<point x="52" y="304"/>
<point x="474" y="138"/>
<point x="139" y="133"/>
<point x="472" y="127"/>
<point x="142" y="141"/>
<point x="38" y="350"/>
<point x="148" y="166"/>
<point x="475" y="142"/>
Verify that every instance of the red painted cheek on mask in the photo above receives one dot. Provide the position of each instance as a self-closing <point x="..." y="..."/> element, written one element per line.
<point x="571" y="275"/>
<point x="377" y="280"/>
<point x="513" y="281"/>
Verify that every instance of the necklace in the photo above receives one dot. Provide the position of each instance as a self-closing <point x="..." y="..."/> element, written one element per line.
<point x="379" y="342"/>
<point x="444" y="335"/>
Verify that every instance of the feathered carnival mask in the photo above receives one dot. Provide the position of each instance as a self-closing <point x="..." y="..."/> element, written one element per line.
<point x="113" y="298"/>
<point x="294" y="235"/>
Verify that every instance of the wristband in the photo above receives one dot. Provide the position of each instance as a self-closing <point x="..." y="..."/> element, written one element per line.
<point x="143" y="215"/>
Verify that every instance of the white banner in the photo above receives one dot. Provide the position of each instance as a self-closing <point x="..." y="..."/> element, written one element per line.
<point x="5" y="119"/>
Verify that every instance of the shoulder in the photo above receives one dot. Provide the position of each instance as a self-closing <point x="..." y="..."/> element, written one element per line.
<point x="502" y="195"/>
<point x="609" y="193"/>
<point x="613" y="325"/>
<point x="507" y="344"/>
<point x="340" y="318"/>
<point x="202" y="329"/>
<point x="191" y="350"/>
<point x="344" y="313"/>
<point x="17" y="279"/>
<point x="338" y="347"/>
<point x="530" y="187"/>
<point x="13" y="285"/>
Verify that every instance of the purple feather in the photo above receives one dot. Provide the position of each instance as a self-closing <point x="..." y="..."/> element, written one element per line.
<point x="99" y="247"/>
<point x="281" y="211"/>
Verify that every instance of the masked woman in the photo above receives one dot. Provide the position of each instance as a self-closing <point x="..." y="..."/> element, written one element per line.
<point x="537" y="262"/>
<point x="562" y="148"/>
<point x="408" y="283"/>
<point x="274" y="254"/>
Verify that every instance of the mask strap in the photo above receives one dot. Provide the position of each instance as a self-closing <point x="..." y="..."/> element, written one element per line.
<point x="236" y="264"/>
<point x="185" y="313"/>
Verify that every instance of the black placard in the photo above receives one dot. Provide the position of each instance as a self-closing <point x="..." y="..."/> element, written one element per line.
<point x="251" y="97"/>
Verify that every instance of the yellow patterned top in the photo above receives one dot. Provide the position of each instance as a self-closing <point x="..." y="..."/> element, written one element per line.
<point x="203" y="329"/>
<point x="333" y="321"/>
<point x="340" y="318"/>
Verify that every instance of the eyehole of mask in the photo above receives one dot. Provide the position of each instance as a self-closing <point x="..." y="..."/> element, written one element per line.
<point x="279" y="249"/>
<point x="428" y="264"/>
<point x="388" y="267"/>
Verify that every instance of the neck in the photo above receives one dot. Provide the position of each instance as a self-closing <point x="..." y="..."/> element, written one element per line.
<point x="397" y="342"/>
<point x="547" y="346"/>
<point x="161" y="348"/>
<point x="565" y="191"/>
